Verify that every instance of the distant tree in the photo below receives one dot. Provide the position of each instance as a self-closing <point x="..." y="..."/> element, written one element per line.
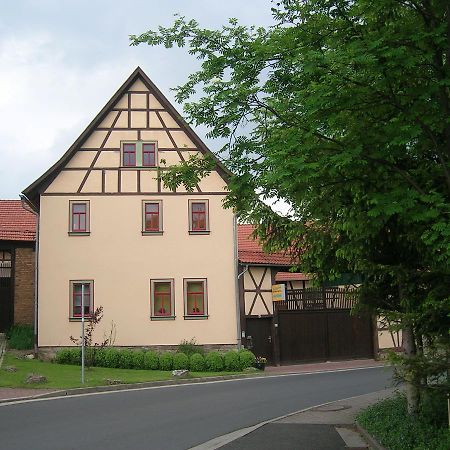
<point x="342" y="108"/>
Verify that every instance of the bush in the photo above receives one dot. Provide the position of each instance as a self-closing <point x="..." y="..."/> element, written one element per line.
<point x="21" y="337"/>
<point x="389" y="422"/>
<point x="180" y="361"/>
<point x="69" y="356"/>
<point x="190" y="347"/>
<point x="246" y="359"/>
<point x="126" y="359"/>
<point x="231" y="361"/>
<point x="151" y="360"/>
<point x="214" y="362"/>
<point x="108" y="357"/>
<point x="166" y="361"/>
<point x="138" y="359"/>
<point x="197" y="363"/>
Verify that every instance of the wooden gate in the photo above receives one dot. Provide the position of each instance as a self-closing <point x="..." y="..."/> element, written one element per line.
<point x="6" y="292"/>
<point x="316" y="325"/>
<point x="259" y="337"/>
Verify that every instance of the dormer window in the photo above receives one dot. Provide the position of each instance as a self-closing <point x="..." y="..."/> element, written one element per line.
<point x="139" y="154"/>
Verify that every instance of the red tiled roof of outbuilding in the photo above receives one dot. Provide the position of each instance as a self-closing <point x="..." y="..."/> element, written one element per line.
<point x="251" y="252"/>
<point x="16" y="223"/>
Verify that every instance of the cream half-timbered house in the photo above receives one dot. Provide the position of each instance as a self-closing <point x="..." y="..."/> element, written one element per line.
<point x="160" y="263"/>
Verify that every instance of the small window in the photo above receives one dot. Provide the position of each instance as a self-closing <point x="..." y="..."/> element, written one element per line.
<point x="79" y="217"/>
<point x="129" y="155"/>
<point x="80" y="290"/>
<point x="198" y="217"/>
<point x="152" y="217"/>
<point x="149" y="155"/>
<point x="162" y="299"/>
<point x="195" y="298"/>
<point x="5" y="264"/>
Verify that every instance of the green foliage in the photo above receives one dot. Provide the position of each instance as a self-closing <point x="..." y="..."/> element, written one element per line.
<point x="389" y="423"/>
<point x="346" y="109"/>
<point x="138" y="360"/>
<point x="180" y="361"/>
<point x="231" y="361"/>
<point x="151" y="360"/>
<point x="108" y="357"/>
<point x="196" y="363"/>
<point x="246" y="359"/>
<point x="166" y="361"/>
<point x="20" y="337"/>
<point x="125" y="359"/>
<point x="214" y="362"/>
<point x="190" y="347"/>
<point x="68" y="356"/>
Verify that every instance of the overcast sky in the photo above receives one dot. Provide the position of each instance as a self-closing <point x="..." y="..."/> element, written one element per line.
<point x="61" y="61"/>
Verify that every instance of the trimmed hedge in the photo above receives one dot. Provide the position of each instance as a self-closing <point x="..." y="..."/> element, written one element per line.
<point x="149" y="360"/>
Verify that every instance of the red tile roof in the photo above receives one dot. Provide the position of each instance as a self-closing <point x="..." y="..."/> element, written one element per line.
<point x="16" y="223"/>
<point x="250" y="251"/>
<point x="290" y="276"/>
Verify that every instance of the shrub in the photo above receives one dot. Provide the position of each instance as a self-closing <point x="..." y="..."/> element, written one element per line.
<point x="151" y="360"/>
<point x="138" y="360"/>
<point x="180" y="361"/>
<point x="166" y="361"/>
<point x="190" y="347"/>
<point x="214" y="362"/>
<point x="21" y="337"/>
<point x="64" y="356"/>
<point x="197" y="363"/>
<point x="126" y="359"/>
<point x="246" y="359"/>
<point x="108" y="357"/>
<point x="231" y="361"/>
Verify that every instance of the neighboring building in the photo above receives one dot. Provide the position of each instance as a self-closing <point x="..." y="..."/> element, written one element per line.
<point x="160" y="263"/>
<point x="17" y="238"/>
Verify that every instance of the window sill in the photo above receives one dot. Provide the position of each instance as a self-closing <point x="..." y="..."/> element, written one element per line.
<point x="138" y="167"/>
<point x="162" y="317"/>
<point x="199" y="232"/>
<point x="79" y="233"/>
<point x="78" y="319"/>
<point x="152" y="233"/>
<point x="197" y="317"/>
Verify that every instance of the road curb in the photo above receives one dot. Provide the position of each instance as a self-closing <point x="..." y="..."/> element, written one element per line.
<point x="131" y="386"/>
<point x="369" y="438"/>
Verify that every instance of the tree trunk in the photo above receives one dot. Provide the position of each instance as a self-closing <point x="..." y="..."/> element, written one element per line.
<point x="412" y="393"/>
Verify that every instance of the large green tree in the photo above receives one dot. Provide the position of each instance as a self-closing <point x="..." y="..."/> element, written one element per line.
<point x="342" y="109"/>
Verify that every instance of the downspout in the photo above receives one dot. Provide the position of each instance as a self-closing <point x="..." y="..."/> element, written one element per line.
<point x="32" y="208"/>
<point x="237" y="275"/>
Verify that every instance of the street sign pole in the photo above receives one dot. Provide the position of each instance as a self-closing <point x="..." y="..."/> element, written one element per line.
<point x="82" y="333"/>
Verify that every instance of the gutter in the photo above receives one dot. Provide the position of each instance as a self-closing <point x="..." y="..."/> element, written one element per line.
<point x="236" y="283"/>
<point x="29" y="206"/>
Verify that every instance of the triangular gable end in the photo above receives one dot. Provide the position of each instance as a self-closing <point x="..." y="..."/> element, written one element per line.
<point x="143" y="95"/>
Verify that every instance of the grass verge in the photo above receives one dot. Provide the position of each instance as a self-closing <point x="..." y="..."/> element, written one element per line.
<point x="61" y="376"/>
<point x="390" y="424"/>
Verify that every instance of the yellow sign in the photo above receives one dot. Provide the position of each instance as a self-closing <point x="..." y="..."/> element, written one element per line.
<point x="278" y="292"/>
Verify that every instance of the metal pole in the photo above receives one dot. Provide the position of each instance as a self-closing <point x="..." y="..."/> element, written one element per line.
<point x="82" y="333"/>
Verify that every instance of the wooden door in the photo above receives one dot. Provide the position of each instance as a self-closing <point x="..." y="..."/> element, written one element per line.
<point x="259" y="337"/>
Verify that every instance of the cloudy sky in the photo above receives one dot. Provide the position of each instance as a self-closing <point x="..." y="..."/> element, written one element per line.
<point x="61" y="61"/>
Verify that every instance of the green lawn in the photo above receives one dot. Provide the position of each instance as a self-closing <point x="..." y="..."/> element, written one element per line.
<point x="62" y="376"/>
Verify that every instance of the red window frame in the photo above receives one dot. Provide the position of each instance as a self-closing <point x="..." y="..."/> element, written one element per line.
<point x="159" y="297"/>
<point x="197" y="311"/>
<point x="150" y="215"/>
<point x="149" y="151"/>
<point x="76" y="218"/>
<point x="129" y="155"/>
<point x="77" y="295"/>
<point x="198" y="216"/>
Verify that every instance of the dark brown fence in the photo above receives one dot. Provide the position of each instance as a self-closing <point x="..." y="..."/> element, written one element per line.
<point x="317" y="299"/>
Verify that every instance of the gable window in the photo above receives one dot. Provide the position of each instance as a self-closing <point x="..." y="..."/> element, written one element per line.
<point x="149" y="155"/>
<point x="79" y="217"/>
<point x="162" y="299"/>
<point x="80" y="290"/>
<point x="129" y="155"/>
<point x="198" y="217"/>
<point x="139" y="154"/>
<point x="152" y="217"/>
<point x="195" y="298"/>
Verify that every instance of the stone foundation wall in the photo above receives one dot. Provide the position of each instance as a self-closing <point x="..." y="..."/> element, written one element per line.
<point x="48" y="353"/>
<point x="24" y="286"/>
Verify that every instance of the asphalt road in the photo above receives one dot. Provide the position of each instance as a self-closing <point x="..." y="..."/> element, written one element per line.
<point x="175" y="417"/>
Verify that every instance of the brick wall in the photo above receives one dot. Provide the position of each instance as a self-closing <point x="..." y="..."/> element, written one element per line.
<point x="24" y="286"/>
